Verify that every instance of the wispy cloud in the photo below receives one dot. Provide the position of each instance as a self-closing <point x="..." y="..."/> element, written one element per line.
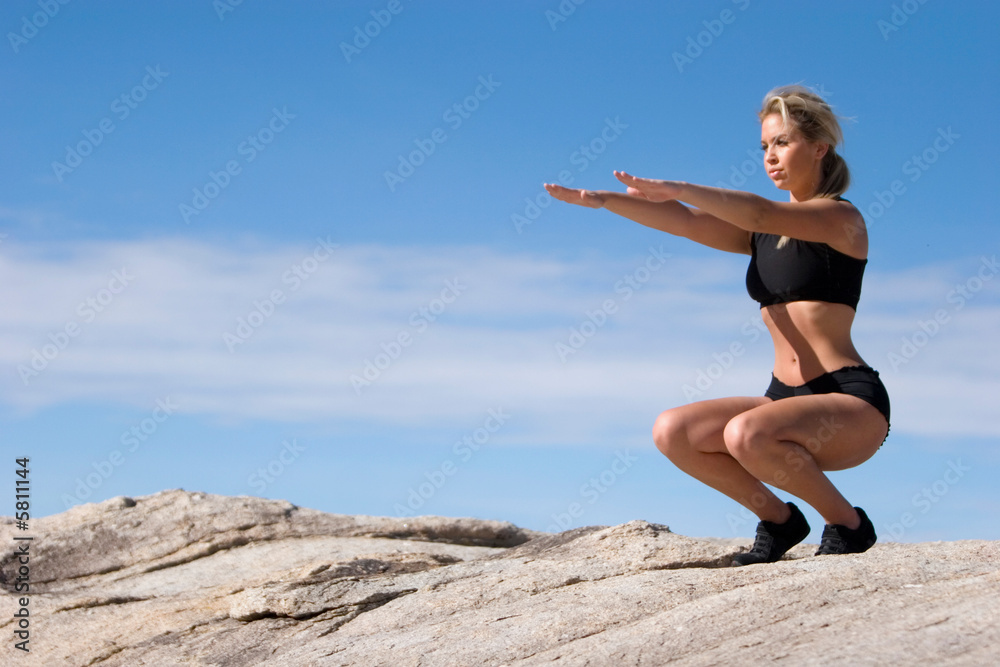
<point x="321" y="332"/>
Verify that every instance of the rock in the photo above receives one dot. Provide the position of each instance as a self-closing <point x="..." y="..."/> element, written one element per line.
<point x="189" y="578"/>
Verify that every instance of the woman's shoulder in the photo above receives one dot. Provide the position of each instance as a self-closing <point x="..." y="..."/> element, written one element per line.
<point x="849" y="207"/>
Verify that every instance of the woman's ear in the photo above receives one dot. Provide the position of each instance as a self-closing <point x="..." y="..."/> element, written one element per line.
<point x="821" y="150"/>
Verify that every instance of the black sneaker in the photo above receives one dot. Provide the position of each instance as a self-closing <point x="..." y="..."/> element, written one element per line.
<point x="839" y="539"/>
<point x="774" y="539"/>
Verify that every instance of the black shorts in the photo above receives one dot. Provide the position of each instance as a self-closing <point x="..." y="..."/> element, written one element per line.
<point x="860" y="381"/>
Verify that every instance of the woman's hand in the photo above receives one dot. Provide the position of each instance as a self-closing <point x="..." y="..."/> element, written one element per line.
<point x="588" y="198"/>
<point x="651" y="189"/>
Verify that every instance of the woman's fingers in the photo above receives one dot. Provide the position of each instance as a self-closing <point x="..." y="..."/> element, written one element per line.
<point x="649" y="188"/>
<point x="639" y="187"/>
<point x="561" y="193"/>
<point x="632" y="184"/>
<point x="586" y="198"/>
<point x="636" y="182"/>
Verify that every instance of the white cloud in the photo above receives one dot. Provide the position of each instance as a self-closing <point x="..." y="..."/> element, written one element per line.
<point x="478" y="327"/>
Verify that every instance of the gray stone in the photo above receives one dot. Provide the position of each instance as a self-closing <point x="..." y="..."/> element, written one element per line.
<point x="181" y="578"/>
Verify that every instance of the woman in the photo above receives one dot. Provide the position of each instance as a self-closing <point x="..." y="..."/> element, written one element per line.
<point x="825" y="409"/>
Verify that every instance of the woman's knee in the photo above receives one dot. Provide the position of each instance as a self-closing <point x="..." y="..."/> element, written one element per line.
<point x="743" y="434"/>
<point x="670" y="432"/>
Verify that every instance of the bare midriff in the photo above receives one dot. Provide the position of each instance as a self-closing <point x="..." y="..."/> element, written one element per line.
<point x="810" y="338"/>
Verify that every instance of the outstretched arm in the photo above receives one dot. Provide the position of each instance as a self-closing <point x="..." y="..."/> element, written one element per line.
<point x="836" y="223"/>
<point x="667" y="216"/>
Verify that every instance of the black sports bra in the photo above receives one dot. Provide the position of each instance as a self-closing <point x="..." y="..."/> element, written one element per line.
<point x="802" y="271"/>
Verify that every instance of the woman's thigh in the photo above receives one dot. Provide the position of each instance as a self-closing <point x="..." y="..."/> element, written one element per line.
<point x="839" y="431"/>
<point x="700" y="425"/>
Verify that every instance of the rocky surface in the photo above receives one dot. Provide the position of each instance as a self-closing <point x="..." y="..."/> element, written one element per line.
<point x="180" y="578"/>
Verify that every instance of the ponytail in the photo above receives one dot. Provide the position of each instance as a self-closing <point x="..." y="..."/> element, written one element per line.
<point x="836" y="176"/>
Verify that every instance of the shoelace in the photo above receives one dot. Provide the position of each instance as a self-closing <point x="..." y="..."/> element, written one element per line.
<point x="762" y="543"/>
<point x="832" y="542"/>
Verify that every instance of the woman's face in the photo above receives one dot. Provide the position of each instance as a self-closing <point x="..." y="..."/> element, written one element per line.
<point x="793" y="163"/>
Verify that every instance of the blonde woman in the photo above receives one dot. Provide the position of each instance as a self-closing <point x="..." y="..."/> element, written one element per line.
<point x="825" y="408"/>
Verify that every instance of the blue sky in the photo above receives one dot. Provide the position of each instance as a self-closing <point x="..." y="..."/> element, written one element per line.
<point x="251" y="250"/>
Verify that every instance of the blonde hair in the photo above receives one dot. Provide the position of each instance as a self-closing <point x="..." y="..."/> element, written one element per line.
<point x="809" y="113"/>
